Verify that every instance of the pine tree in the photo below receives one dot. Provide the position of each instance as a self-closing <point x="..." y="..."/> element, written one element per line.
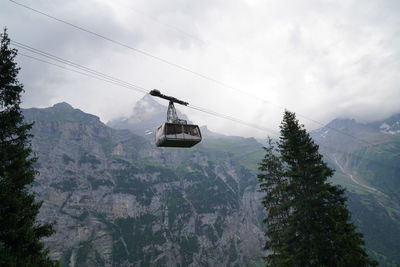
<point x="308" y="223"/>
<point x="20" y="233"/>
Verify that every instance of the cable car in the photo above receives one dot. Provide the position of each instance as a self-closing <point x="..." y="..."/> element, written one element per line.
<point x="177" y="135"/>
<point x="175" y="132"/>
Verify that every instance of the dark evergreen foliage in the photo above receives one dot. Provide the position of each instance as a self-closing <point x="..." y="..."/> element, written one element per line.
<point x="20" y="233"/>
<point x="308" y="223"/>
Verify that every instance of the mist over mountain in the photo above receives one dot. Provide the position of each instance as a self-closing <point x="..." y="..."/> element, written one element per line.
<point x="147" y="115"/>
<point x="390" y="125"/>
<point x="120" y="201"/>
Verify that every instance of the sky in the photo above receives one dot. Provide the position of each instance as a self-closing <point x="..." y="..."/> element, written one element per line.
<point x="246" y="59"/>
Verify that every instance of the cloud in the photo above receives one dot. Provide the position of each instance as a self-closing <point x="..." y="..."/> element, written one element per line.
<point x="321" y="59"/>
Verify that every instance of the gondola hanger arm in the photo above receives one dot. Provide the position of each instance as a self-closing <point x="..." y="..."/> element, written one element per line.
<point x="157" y="93"/>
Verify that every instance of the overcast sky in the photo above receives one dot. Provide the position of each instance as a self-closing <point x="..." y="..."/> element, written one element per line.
<point x="321" y="59"/>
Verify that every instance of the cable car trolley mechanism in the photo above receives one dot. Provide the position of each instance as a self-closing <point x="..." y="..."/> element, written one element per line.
<point x="175" y="132"/>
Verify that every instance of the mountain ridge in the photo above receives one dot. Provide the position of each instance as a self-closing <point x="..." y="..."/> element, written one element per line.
<point x="147" y="115"/>
<point x="101" y="184"/>
<point x="117" y="197"/>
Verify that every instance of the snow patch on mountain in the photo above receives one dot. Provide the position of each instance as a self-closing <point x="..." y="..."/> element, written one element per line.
<point x="384" y="126"/>
<point x="390" y="129"/>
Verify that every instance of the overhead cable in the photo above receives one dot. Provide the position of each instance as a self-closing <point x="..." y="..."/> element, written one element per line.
<point x="80" y="72"/>
<point x="124" y="45"/>
<point x="223" y="84"/>
<point x="103" y="77"/>
<point x="81" y="67"/>
<point x="100" y="76"/>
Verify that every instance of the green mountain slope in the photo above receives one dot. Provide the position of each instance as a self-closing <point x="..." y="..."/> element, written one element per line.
<point x="366" y="158"/>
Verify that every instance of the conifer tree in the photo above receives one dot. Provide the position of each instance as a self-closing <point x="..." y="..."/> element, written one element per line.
<point x="308" y="223"/>
<point x="20" y="233"/>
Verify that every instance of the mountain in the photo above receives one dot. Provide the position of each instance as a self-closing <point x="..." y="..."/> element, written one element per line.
<point x="388" y="126"/>
<point x="120" y="201"/>
<point x="371" y="150"/>
<point x="366" y="158"/>
<point x="147" y="115"/>
<point x="348" y="135"/>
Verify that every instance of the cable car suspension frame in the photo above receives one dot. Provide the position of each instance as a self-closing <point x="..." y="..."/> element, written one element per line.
<point x="172" y="116"/>
<point x="175" y="132"/>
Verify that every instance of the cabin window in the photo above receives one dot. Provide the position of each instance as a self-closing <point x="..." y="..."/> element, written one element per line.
<point x="173" y="129"/>
<point x="179" y="128"/>
<point x="169" y="129"/>
<point x="193" y="130"/>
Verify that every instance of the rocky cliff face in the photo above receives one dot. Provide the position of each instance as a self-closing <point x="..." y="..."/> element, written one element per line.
<point x="119" y="201"/>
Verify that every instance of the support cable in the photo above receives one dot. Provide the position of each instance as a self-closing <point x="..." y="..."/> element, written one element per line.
<point x="103" y="77"/>
<point x="220" y="83"/>
<point x="140" y="89"/>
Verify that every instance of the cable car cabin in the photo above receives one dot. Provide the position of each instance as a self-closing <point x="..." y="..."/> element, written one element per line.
<point x="177" y="135"/>
<point x="175" y="132"/>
